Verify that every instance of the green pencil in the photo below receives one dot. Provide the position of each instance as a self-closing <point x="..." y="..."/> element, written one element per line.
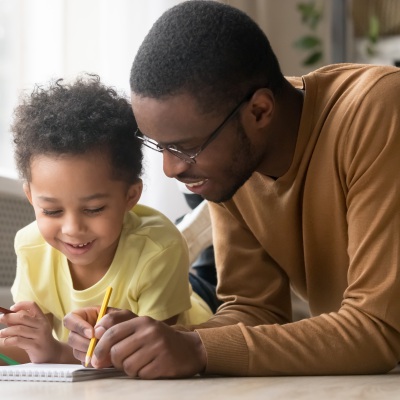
<point x="8" y="360"/>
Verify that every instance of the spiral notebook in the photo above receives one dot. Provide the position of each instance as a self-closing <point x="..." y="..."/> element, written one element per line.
<point x="55" y="372"/>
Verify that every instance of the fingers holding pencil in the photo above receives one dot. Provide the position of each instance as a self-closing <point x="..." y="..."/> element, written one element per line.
<point x="102" y="312"/>
<point x="83" y="326"/>
<point x="5" y="311"/>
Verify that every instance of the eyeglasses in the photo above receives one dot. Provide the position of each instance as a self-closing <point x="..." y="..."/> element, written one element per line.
<point x="187" y="157"/>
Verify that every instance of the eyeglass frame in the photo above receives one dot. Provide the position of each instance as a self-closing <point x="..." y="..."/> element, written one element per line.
<point x="191" y="159"/>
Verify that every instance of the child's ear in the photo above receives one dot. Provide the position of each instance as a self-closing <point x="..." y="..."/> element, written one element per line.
<point x="27" y="191"/>
<point x="133" y="194"/>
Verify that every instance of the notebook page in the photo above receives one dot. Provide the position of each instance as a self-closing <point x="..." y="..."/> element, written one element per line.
<point x="54" y="372"/>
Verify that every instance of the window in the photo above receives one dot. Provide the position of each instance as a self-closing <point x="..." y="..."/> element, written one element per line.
<point x="42" y="40"/>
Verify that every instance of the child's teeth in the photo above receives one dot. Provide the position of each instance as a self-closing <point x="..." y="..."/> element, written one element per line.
<point x="81" y="245"/>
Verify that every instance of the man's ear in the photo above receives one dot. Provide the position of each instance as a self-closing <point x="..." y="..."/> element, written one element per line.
<point x="262" y="107"/>
<point x="27" y="191"/>
<point x="133" y="194"/>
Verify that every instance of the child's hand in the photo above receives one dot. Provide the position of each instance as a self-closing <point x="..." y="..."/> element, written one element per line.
<point x="29" y="329"/>
<point x="81" y="324"/>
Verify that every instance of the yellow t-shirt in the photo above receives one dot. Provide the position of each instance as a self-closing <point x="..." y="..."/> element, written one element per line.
<point x="149" y="274"/>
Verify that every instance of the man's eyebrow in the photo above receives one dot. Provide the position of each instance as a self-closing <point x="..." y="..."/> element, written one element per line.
<point x="180" y="142"/>
<point x="164" y="144"/>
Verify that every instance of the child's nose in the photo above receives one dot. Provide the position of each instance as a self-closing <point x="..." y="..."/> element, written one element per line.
<point x="72" y="224"/>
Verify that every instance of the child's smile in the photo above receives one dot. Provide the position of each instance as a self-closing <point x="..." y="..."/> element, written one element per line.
<point x="79" y="208"/>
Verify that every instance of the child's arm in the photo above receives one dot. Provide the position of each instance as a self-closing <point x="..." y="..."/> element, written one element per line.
<point x="31" y="331"/>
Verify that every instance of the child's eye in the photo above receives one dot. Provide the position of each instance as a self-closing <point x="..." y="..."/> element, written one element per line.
<point x="94" y="210"/>
<point x="51" y="213"/>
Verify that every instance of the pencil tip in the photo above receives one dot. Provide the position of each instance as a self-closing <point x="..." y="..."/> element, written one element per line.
<point x="87" y="361"/>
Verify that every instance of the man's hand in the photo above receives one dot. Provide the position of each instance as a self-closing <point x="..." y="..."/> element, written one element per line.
<point x="148" y="349"/>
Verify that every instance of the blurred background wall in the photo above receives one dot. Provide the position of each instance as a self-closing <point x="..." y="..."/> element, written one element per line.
<point x="49" y="39"/>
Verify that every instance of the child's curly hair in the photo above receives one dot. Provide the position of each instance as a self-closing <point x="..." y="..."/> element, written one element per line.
<point x="75" y="119"/>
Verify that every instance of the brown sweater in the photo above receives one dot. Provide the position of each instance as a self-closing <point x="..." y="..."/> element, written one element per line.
<point x="329" y="228"/>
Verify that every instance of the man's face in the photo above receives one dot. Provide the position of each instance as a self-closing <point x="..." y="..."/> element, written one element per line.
<point x="222" y="167"/>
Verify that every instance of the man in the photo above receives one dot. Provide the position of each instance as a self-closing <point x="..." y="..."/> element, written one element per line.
<point x="303" y="174"/>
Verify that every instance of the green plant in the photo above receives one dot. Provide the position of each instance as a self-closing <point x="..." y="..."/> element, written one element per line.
<point x="311" y="16"/>
<point x="372" y="35"/>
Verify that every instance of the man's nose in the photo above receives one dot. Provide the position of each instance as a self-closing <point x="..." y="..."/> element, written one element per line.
<point x="173" y="165"/>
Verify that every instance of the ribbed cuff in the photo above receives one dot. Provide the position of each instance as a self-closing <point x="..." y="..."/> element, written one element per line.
<point x="227" y="352"/>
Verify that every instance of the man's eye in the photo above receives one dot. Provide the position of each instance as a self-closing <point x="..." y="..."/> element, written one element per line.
<point x="183" y="149"/>
<point x="51" y="212"/>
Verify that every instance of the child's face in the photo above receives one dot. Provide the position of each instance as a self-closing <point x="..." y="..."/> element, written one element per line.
<point x="79" y="208"/>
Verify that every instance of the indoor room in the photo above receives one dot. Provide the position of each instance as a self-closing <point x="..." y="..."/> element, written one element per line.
<point x="44" y="41"/>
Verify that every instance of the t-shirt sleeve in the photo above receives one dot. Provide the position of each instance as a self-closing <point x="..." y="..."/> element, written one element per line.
<point x="22" y="288"/>
<point x="163" y="285"/>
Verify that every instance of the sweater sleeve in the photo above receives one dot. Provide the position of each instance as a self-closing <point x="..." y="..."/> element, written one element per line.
<point x="249" y="336"/>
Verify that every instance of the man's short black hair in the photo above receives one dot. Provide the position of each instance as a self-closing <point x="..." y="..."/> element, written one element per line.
<point x="210" y="50"/>
<point x="77" y="118"/>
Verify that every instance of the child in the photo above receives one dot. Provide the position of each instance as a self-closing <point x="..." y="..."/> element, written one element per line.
<point x="81" y="164"/>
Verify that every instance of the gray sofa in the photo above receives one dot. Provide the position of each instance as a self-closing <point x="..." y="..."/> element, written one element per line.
<point x="15" y="212"/>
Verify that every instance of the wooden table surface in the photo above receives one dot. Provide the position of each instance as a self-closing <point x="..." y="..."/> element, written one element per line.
<point x="365" y="387"/>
